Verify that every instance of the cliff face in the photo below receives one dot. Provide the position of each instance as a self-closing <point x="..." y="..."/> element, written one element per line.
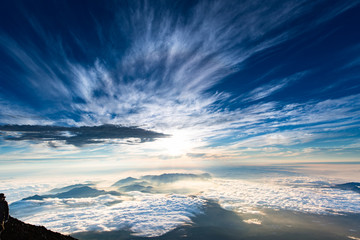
<point x="18" y="230"/>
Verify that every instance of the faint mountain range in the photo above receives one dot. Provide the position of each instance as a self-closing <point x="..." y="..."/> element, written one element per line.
<point x="18" y="230"/>
<point x="125" y="181"/>
<point x="70" y="187"/>
<point x="77" y="192"/>
<point x="146" y="183"/>
<point x="174" y="177"/>
<point x="164" y="178"/>
<point x="351" y="186"/>
<point x="136" y="187"/>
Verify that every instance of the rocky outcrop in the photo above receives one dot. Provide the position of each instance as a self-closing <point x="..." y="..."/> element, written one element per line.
<point x="18" y="230"/>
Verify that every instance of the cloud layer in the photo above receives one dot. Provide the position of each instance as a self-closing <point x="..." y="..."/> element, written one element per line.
<point x="153" y="214"/>
<point x="144" y="214"/>
<point x="245" y="196"/>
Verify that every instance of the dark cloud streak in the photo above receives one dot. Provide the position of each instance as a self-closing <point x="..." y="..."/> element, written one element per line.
<point x="77" y="136"/>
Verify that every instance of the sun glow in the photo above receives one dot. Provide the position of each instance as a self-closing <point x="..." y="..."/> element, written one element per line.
<point x="179" y="143"/>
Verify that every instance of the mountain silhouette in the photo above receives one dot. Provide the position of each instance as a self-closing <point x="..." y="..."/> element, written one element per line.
<point x="18" y="230"/>
<point x="136" y="187"/>
<point x="174" y="177"/>
<point x="70" y="187"/>
<point x="150" y="183"/>
<point x="161" y="179"/>
<point x="125" y="181"/>
<point x="351" y="186"/>
<point x="79" y="192"/>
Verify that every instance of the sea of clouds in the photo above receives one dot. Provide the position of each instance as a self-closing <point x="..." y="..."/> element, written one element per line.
<point x="246" y="196"/>
<point x="153" y="214"/>
<point x="144" y="214"/>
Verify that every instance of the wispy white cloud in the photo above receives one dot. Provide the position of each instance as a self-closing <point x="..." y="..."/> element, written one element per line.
<point x="14" y="114"/>
<point x="162" y="79"/>
<point x="38" y="74"/>
<point x="172" y="62"/>
<point x="270" y="88"/>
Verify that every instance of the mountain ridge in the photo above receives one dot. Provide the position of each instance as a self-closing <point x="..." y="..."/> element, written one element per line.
<point x="18" y="230"/>
<point x="79" y="192"/>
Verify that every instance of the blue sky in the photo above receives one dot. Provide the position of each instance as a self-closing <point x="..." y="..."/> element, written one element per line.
<point x="190" y="82"/>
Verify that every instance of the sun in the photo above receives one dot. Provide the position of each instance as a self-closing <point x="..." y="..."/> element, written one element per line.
<point x="179" y="143"/>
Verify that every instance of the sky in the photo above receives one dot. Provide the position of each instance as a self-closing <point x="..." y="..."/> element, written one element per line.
<point x="89" y="85"/>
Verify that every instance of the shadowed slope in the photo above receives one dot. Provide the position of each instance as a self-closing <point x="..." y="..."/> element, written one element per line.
<point x="217" y="223"/>
<point x="18" y="230"/>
